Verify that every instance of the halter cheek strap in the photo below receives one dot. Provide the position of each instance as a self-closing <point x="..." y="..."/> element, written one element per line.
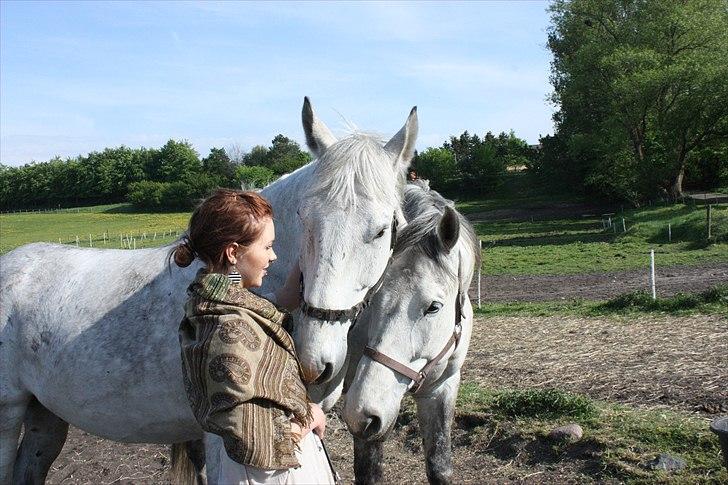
<point x="418" y="378"/>
<point x="352" y="313"/>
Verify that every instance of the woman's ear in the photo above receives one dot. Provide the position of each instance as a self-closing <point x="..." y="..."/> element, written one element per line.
<point x="231" y="253"/>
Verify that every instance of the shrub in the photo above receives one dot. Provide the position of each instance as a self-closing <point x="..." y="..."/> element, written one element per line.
<point x="254" y="176"/>
<point x="147" y="194"/>
<point x="642" y="300"/>
<point x="543" y="403"/>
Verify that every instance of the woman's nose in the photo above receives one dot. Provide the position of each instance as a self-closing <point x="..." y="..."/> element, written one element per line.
<point x="273" y="256"/>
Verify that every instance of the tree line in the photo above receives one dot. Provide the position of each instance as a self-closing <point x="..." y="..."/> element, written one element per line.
<point x="170" y="177"/>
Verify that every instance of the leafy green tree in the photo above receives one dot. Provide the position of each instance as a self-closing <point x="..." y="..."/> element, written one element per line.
<point x="178" y="160"/>
<point x="646" y="80"/>
<point x="254" y="176"/>
<point x="256" y="156"/>
<point x="438" y="165"/>
<point x="285" y="155"/>
<point x="219" y="165"/>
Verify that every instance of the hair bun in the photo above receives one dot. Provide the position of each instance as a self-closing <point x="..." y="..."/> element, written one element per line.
<point x="183" y="255"/>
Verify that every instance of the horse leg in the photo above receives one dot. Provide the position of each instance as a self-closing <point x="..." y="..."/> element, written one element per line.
<point x="213" y="445"/>
<point x="45" y="434"/>
<point x="368" y="457"/>
<point x="188" y="463"/>
<point x="196" y="452"/>
<point x="12" y="411"/>
<point x="435" y="411"/>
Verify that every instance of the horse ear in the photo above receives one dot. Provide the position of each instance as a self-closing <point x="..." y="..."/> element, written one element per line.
<point x="448" y="231"/>
<point x="402" y="145"/>
<point x="318" y="135"/>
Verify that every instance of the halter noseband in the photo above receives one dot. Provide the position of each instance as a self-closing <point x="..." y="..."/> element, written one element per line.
<point x="418" y="378"/>
<point x="353" y="312"/>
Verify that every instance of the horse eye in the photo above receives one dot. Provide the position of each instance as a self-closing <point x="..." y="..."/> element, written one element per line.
<point x="380" y="233"/>
<point x="433" y="308"/>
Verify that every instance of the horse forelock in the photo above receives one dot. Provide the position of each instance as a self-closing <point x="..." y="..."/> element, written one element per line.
<point x="423" y="210"/>
<point x="354" y="167"/>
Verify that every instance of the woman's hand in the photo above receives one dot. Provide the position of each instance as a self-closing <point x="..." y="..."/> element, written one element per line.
<point x="317" y="425"/>
<point x="288" y="296"/>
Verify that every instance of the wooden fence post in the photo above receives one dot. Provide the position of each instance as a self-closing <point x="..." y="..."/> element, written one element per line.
<point x="652" y="274"/>
<point x="480" y="266"/>
<point x="710" y="218"/>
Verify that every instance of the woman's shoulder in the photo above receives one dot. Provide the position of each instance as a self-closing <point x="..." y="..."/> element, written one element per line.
<point x="216" y="293"/>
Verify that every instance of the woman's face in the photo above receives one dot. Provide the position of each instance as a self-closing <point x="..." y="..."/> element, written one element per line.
<point x="253" y="261"/>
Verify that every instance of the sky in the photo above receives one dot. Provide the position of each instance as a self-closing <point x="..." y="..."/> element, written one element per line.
<point x="80" y="77"/>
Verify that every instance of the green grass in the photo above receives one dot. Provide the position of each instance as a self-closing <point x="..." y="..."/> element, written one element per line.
<point x="568" y="246"/>
<point x="711" y="301"/>
<point x="21" y="228"/>
<point x="618" y="439"/>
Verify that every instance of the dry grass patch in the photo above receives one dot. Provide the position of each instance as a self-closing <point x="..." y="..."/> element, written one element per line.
<point x="642" y="360"/>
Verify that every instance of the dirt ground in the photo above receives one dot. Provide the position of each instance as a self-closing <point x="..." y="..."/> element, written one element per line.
<point x="675" y="362"/>
<point x="598" y="286"/>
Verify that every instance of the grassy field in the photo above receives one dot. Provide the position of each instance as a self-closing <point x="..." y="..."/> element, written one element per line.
<point x="117" y="221"/>
<point x="583" y="245"/>
<point x="511" y="246"/>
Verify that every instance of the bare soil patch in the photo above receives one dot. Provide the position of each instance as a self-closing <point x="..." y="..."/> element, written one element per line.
<point x="647" y="361"/>
<point x="599" y="286"/>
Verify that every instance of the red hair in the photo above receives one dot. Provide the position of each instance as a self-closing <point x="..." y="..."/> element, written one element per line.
<point x="226" y="217"/>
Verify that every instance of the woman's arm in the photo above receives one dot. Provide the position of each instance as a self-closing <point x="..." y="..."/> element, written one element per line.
<point x="288" y="296"/>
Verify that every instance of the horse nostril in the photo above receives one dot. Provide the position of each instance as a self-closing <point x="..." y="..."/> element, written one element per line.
<point x="372" y="427"/>
<point x="325" y="375"/>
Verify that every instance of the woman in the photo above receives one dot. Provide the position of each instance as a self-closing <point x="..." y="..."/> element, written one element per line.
<point x="241" y="374"/>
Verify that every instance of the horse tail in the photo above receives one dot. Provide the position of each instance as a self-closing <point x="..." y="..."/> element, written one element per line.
<point x="183" y="470"/>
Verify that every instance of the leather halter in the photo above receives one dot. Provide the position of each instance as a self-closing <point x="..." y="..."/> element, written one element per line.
<point x="353" y="312"/>
<point x="418" y="378"/>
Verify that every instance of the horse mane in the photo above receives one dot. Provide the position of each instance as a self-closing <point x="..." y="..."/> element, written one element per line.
<point x="357" y="166"/>
<point x="423" y="209"/>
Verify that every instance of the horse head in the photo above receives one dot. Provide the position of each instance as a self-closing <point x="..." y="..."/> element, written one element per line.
<point x="415" y="322"/>
<point x="349" y="217"/>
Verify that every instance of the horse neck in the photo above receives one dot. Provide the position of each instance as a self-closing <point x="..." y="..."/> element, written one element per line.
<point x="285" y="195"/>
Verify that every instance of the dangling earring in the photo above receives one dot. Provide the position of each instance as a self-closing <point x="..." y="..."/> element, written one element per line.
<point x="234" y="276"/>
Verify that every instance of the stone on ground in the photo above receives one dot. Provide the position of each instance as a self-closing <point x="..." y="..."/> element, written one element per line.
<point x="569" y="432"/>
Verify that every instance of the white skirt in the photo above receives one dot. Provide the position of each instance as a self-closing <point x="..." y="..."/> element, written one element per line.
<point x="314" y="469"/>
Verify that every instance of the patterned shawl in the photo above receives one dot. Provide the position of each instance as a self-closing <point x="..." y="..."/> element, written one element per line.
<point x="241" y="374"/>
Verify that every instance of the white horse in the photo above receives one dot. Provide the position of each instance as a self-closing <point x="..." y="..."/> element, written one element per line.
<point x="89" y="336"/>
<point x="417" y="331"/>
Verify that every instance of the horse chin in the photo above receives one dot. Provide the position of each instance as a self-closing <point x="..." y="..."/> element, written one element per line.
<point x="326" y="395"/>
<point x="321" y="348"/>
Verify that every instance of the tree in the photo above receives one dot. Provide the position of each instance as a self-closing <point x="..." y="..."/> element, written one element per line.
<point x="640" y="85"/>
<point x="285" y="155"/>
<point x="235" y="153"/>
<point x="219" y="165"/>
<point x="177" y="160"/>
<point x="438" y="165"/>
<point x="256" y="156"/>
